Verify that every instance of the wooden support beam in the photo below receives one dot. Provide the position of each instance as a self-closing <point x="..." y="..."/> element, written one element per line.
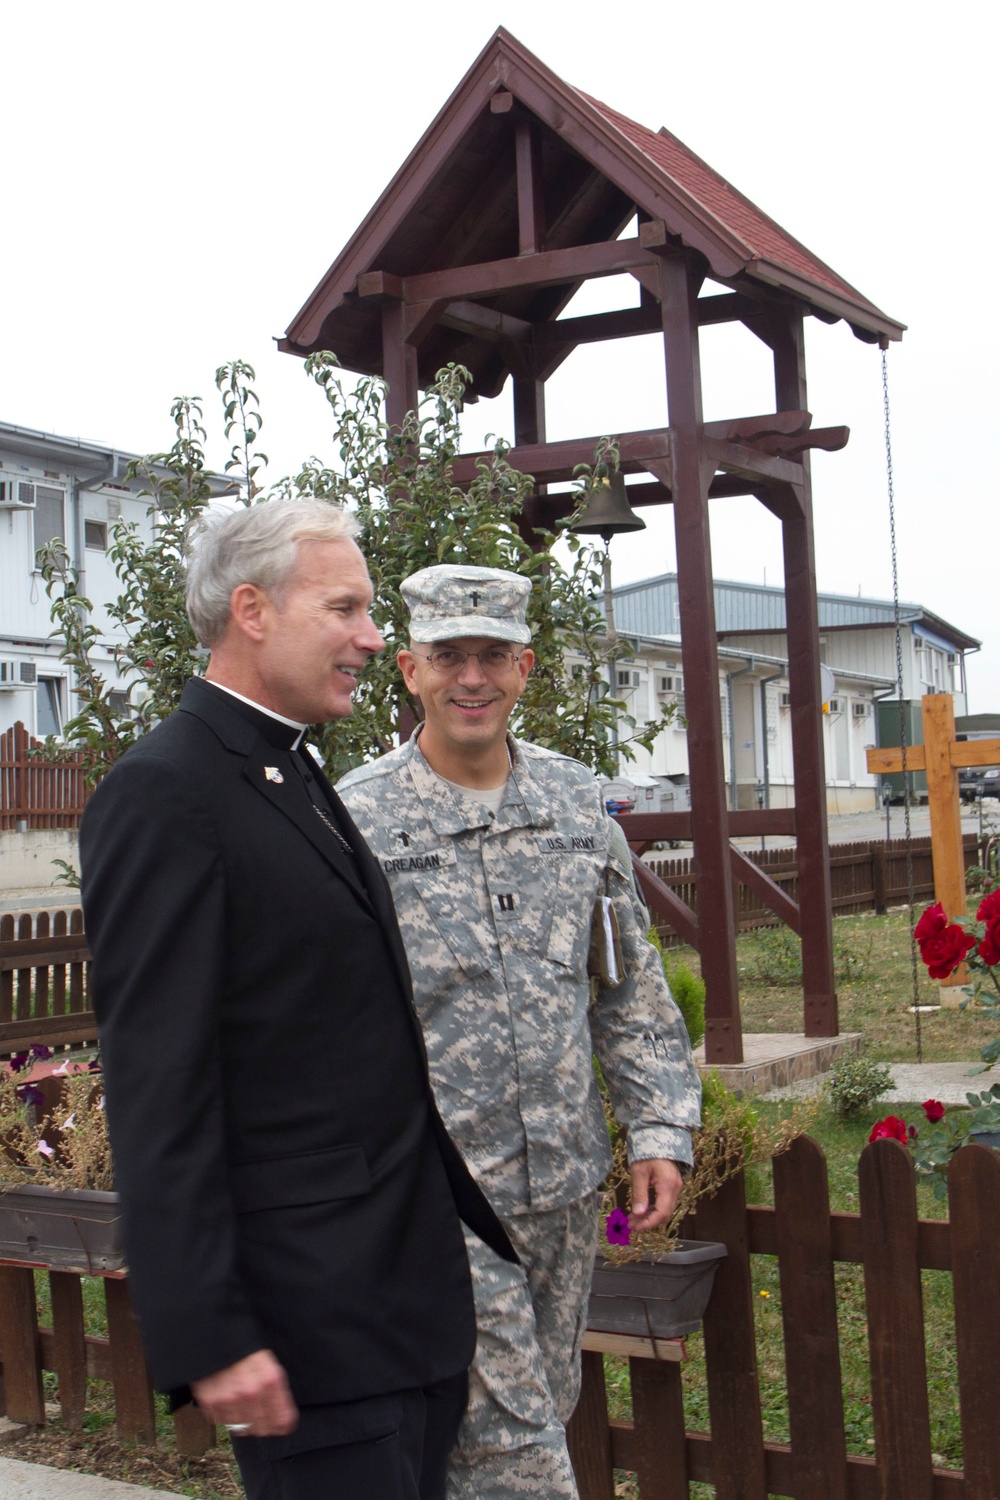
<point x="484" y="322"/>
<point x="501" y="103"/>
<point x="751" y="463"/>
<point x="547" y="268"/>
<point x="530" y="202"/>
<point x="728" y="307"/>
<point x="624" y="323"/>
<point x="663" y="902"/>
<point x="550" y="462"/>
<point x="830" y="439"/>
<point x="960" y="753"/>
<point x="769" y="892"/>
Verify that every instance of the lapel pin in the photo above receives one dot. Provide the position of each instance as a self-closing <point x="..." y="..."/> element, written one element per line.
<point x="271" y="773"/>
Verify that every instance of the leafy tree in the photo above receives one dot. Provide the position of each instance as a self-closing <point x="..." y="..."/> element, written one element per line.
<point x="398" y="481"/>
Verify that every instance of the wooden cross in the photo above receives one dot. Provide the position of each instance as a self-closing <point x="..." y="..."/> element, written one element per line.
<point x="940" y="757"/>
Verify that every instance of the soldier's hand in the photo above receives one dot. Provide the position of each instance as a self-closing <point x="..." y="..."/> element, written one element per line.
<point x="656" y="1186"/>
<point x="252" y="1395"/>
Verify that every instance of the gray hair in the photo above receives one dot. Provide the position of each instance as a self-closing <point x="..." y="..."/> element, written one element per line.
<point x="258" y="544"/>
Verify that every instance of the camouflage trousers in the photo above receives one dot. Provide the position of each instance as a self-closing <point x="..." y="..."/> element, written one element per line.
<point x="525" y="1377"/>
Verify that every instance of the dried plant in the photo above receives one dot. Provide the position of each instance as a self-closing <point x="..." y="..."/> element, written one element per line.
<point x="732" y="1137"/>
<point x="63" y="1146"/>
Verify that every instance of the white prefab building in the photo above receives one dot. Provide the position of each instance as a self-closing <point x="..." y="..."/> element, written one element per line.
<point x="57" y="487"/>
<point x="859" y="652"/>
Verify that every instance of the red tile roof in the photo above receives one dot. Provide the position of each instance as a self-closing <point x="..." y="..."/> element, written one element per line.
<point x="763" y="238"/>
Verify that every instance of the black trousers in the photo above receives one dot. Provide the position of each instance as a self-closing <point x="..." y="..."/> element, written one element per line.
<point x="393" y="1447"/>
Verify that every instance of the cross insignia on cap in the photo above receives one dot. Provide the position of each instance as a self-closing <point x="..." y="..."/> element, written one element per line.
<point x="474" y="596"/>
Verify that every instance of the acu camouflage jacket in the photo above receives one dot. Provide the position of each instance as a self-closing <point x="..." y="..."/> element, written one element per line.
<point x="495" y="912"/>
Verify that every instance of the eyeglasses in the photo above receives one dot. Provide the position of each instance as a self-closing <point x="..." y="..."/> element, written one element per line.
<point x="448" y="659"/>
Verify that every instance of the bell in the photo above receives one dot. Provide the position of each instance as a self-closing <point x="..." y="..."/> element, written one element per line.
<point x="607" y="511"/>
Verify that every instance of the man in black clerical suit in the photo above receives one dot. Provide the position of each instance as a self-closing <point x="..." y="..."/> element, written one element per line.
<point x="291" y="1199"/>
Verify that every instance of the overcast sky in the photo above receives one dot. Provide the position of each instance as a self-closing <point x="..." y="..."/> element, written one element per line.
<point x="177" y="177"/>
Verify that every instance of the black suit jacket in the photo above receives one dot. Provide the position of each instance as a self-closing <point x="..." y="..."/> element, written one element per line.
<point x="286" y="1180"/>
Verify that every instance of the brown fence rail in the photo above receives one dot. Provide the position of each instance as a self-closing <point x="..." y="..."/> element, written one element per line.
<point x="38" y="793"/>
<point x="894" y="1246"/>
<point x="863" y="877"/>
<point x="26" y="1349"/>
<point x="44" y="981"/>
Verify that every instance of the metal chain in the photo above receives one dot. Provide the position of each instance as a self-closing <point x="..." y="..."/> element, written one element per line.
<point x="902" y="706"/>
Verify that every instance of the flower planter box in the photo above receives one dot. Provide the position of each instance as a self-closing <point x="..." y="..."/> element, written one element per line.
<point x="662" y="1298"/>
<point x="68" y="1229"/>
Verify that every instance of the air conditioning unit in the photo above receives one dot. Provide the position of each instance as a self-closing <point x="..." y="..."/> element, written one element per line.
<point x="17" y="674"/>
<point x="860" y="710"/>
<point x="628" y="680"/>
<point x="784" y="700"/>
<point x="669" y="684"/>
<point x="835" y="706"/>
<point x="16" y="494"/>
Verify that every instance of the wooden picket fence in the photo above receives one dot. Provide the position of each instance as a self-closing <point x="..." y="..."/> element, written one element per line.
<point x="38" y="793"/>
<point x="886" y="1238"/>
<point x="44" y="981"/>
<point x="868" y="876"/>
<point x="76" y="1357"/>
<point x="893" y="1246"/>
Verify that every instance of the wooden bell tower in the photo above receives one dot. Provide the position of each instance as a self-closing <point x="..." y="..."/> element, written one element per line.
<point x="516" y="195"/>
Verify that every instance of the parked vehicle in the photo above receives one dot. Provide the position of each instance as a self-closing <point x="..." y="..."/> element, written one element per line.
<point x="973" y="777"/>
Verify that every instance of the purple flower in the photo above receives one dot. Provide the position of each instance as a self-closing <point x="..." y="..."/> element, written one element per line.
<point x="18" y="1061"/>
<point x="29" y="1094"/>
<point x="617" y="1230"/>
<point x="40" y="1051"/>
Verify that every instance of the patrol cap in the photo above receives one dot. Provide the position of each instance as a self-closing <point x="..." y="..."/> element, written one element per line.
<point x="457" y="599"/>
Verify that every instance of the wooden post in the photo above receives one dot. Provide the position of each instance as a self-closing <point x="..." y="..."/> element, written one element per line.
<point x="22" y="1349"/>
<point x="399" y="364"/>
<point x="900" y="1408"/>
<point x="587" y="1435"/>
<point x="69" y="1347"/>
<point x="135" y="1414"/>
<point x="699" y="649"/>
<point x="938" y="712"/>
<point x="820" y="1016"/>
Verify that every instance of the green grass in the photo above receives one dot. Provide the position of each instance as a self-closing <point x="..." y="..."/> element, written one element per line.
<point x="874" y="979"/>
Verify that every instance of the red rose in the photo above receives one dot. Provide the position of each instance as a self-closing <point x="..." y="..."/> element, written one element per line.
<point x="943" y="944"/>
<point x="892" y="1128"/>
<point x="989" y="912"/>
<point x="933" y="1109"/>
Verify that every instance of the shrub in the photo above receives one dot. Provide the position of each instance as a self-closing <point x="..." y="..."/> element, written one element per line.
<point x="687" y="989"/>
<point x="855" y="1083"/>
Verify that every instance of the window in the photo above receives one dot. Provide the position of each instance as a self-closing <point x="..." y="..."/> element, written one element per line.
<point x="95" y="535"/>
<point x="48" y="707"/>
<point x="118" y="702"/>
<point x="50" y="520"/>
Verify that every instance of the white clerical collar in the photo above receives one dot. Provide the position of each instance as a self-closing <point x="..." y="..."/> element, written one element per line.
<point x="292" y="723"/>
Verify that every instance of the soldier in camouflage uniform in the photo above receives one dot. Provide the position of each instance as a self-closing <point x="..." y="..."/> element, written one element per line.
<point x="497" y="852"/>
